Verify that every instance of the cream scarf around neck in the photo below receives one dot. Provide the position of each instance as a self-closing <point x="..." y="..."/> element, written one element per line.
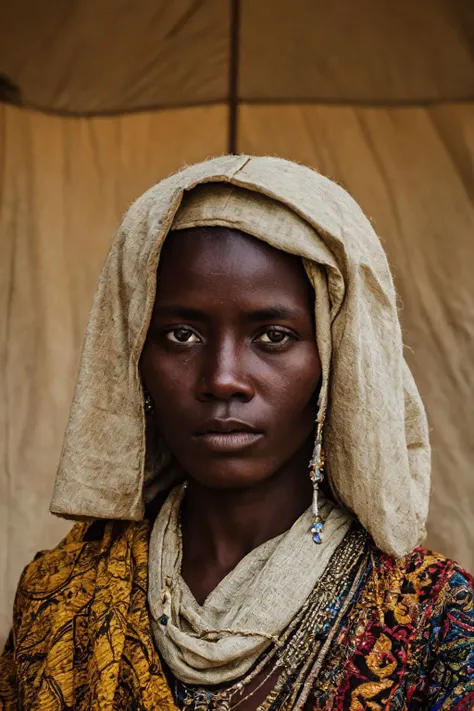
<point x="219" y="641"/>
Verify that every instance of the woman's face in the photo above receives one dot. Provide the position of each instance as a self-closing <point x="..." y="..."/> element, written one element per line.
<point x="230" y="359"/>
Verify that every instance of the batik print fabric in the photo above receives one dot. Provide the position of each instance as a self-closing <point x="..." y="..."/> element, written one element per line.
<point x="81" y="636"/>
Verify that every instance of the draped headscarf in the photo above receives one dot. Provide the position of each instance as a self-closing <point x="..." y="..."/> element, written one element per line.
<point x="376" y="437"/>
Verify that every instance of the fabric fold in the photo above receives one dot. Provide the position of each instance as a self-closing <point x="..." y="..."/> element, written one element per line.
<point x="218" y="641"/>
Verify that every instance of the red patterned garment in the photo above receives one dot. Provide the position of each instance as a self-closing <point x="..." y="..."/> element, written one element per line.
<point x="81" y="637"/>
<point x="407" y="641"/>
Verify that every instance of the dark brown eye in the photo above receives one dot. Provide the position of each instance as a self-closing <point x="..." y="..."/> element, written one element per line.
<point x="274" y="336"/>
<point x="182" y="335"/>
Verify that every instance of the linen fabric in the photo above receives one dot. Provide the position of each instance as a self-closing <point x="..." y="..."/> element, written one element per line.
<point x="219" y="641"/>
<point x="376" y="438"/>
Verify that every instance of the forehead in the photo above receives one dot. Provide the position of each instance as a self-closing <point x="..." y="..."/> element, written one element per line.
<point x="223" y="262"/>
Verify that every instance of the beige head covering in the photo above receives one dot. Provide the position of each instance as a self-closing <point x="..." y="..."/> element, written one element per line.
<point x="378" y="456"/>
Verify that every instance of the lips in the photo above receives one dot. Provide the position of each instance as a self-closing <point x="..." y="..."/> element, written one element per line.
<point x="229" y="435"/>
<point x="227" y="426"/>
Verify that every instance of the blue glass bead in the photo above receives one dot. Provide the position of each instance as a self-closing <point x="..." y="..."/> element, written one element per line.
<point x="163" y="620"/>
<point x="317" y="538"/>
<point x="317" y="527"/>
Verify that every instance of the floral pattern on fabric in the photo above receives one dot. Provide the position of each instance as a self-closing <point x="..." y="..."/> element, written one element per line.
<point x="407" y="644"/>
<point x="82" y="639"/>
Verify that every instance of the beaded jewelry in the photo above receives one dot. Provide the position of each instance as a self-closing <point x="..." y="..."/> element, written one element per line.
<point x="301" y="646"/>
<point x="316" y="473"/>
<point x="149" y="404"/>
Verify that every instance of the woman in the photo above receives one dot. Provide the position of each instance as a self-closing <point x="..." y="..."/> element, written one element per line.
<point x="249" y="456"/>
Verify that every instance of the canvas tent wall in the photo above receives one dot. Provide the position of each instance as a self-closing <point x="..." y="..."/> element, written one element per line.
<point x="101" y="100"/>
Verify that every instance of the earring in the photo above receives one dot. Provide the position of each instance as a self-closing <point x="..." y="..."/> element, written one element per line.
<point x="316" y="473"/>
<point x="149" y="404"/>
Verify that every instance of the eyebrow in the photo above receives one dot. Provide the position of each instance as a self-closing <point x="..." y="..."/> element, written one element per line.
<point x="275" y="313"/>
<point x="268" y="313"/>
<point x="184" y="312"/>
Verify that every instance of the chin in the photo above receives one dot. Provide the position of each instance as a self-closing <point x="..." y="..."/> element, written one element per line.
<point x="230" y="475"/>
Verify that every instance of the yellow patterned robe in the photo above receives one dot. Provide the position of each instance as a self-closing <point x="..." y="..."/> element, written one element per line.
<point x="81" y="637"/>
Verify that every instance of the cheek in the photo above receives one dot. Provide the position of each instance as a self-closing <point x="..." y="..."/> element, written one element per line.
<point x="297" y="405"/>
<point x="166" y="379"/>
<point x="296" y="386"/>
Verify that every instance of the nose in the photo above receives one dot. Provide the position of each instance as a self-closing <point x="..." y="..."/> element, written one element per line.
<point x="224" y="375"/>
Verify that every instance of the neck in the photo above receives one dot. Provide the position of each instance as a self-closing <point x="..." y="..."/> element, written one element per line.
<point x="221" y="526"/>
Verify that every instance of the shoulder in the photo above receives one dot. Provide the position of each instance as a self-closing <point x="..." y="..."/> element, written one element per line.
<point x="443" y="640"/>
<point x="69" y="597"/>
<point x="77" y="556"/>
<point x="424" y="583"/>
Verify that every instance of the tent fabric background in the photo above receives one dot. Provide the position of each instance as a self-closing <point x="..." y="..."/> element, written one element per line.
<point x="380" y="102"/>
<point x="72" y="58"/>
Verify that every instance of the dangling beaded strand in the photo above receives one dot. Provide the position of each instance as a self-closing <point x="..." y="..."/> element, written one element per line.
<point x="316" y="474"/>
